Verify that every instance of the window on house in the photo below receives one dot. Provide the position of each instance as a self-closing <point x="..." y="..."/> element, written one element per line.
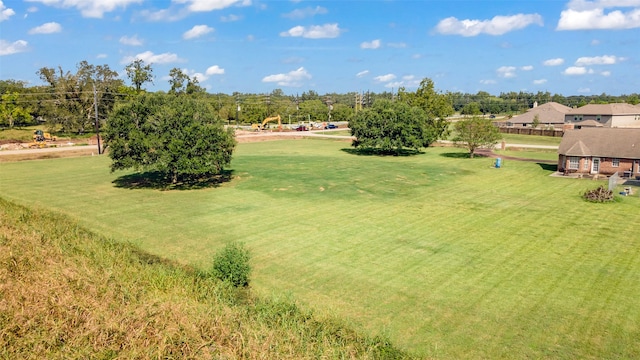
<point x="615" y="162"/>
<point x="598" y="117"/>
<point x="585" y="164"/>
<point x="574" y="162"/>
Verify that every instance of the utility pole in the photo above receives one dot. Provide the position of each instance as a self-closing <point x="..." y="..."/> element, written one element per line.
<point x="95" y="104"/>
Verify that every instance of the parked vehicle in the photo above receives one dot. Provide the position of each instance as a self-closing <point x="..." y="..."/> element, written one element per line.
<point x="331" y="126"/>
<point x="302" y="128"/>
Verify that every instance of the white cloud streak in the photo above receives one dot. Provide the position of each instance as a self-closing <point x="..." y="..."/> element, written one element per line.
<point x="326" y="31"/>
<point x="214" y="70"/>
<point x="197" y="31"/>
<point x="589" y="15"/>
<point x="89" y="8"/>
<point x="131" y="41"/>
<point x="553" y="62"/>
<point x="5" y="12"/>
<point x="293" y="78"/>
<point x="498" y="25"/>
<point x="305" y="13"/>
<point x="598" y="60"/>
<point x="48" y="28"/>
<point x="211" y="5"/>
<point x="375" y="44"/>
<point x="151" y="58"/>
<point x="7" y="48"/>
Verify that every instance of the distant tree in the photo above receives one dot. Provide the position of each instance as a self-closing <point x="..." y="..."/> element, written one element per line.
<point x="437" y="106"/>
<point x="390" y="127"/>
<point x="181" y="83"/>
<point x="475" y="132"/>
<point x="139" y="73"/>
<point x="536" y="121"/>
<point x="178" y="136"/>
<point x="11" y="111"/>
<point x="633" y="99"/>
<point x="472" y="108"/>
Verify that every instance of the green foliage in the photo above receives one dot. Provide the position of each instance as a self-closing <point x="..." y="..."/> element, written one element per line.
<point x="472" y="108"/>
<point x="174" y="135"/>
<point x="139" y="73"/>
<point x="231" y="264"/>
<point x="476" y="132"/>
<point x="390" y="127"/>
<point x="11" y="112"/>
<point x="536" y="121"/>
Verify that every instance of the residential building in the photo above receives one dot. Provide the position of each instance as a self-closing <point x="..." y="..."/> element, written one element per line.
<point x="604" y="115"/>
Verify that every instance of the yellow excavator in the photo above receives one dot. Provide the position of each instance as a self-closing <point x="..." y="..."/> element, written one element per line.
<point x="40" y="139"/>
<point x="258" y="127"/>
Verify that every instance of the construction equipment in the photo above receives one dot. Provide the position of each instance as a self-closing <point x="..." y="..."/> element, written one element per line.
<point x="40" y="139"/>
<point x="258" y="127"/>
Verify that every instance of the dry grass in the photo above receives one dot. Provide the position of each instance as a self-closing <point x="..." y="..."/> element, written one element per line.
<point x="66" y="294"/>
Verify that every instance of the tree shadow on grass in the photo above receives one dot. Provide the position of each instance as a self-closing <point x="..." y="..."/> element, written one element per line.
<point x="159" y="181"/>
<point x="459" y="155"/>
<point x="378" y="152"/>
<point x="548" y="166"/>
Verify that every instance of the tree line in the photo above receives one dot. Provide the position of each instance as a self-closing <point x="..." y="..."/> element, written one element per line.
<point x="66" y="102"/>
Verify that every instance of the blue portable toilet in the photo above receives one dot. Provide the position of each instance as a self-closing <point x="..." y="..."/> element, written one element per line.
<point x="498" y="163"/>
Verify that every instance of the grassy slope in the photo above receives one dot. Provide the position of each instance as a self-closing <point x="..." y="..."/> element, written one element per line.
<point x="448" y="256"/>
<point x="68" y="294"/>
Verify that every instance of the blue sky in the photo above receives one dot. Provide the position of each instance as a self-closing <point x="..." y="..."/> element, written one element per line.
<point x="255" y="46"/>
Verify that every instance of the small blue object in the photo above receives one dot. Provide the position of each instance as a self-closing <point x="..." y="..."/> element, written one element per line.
<point x="498" y="163"/>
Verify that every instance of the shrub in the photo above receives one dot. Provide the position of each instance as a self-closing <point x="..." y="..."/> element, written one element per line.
<point x="598" y="195"/>
<point x="231" y="264"/>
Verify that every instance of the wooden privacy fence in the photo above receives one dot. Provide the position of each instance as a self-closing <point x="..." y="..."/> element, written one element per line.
<point x="530" y="131"/>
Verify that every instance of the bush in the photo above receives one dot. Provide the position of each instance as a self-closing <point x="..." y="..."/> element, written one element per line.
<point x="231" y="264"/>
<point x="598" y="195"/>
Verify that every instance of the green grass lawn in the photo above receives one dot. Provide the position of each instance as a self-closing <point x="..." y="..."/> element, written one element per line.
<point x="531" y="139"/>
<point x="448" y="256"/>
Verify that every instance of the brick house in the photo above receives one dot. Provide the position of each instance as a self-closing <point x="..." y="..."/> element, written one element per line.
<point x="600" y="151"/>
<point x="604" y="115"/>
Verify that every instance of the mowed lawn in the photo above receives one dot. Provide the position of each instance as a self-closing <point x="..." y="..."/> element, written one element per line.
<point x="449" y="257"/>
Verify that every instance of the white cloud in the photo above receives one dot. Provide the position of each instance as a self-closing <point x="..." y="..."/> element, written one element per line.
<point x="306" y="12"/>
<point x="362" y="73"/>
<point x="527" y="68"/>
<point x="497" y="26"/>
<point x="587" y="14"/>
<point x="90" y="8"/>
<point x="605" y="73"/>
<point x="539" y="81"/>
<point x="506" y="71"/>
<point x="371" y="45"/>
<point x="102" y="56"/>
<point x="230" y="18"/>
<point x="408" y="81"/>
<point x="5" y="13"/>
<point x="151" y="58"/>
<point x="598" y="60"/>
<point x="7" y="48"/>
<point x="48" y="28"/>
<point x="293" y="78"/>
<point x="210" y="5"/>
<point x="385" y="78"/>
<point x="553" y="62"/>
<point x="214" y="70"/>
<point x="326" y="31"/>
<point x="197" y="31"/>
<point x="487" y="82"/>
<point x="132" y="41"/>
<point x="577" y="70"/>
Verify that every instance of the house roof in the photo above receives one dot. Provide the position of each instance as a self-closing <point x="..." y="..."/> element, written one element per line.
<point x="549" y="113"/>
<point x="605" y="109"/>
<point x="604" y="142"/>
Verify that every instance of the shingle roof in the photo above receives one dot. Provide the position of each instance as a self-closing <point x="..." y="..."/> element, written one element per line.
<point x="549" y="113"/>
<point x="605" y="109"/>
<point x="604" y="142"/>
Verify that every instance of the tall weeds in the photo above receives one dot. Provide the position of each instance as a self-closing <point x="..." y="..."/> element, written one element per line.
<point x="66" y="293"/>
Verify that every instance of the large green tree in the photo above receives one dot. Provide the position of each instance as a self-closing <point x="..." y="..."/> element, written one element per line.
<point x="476" y="132"/>
<point x="139" y="73"/>
<point x="390" y="127"/>
<point x="178" y="136"/>
<point x="11" y="111"/>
